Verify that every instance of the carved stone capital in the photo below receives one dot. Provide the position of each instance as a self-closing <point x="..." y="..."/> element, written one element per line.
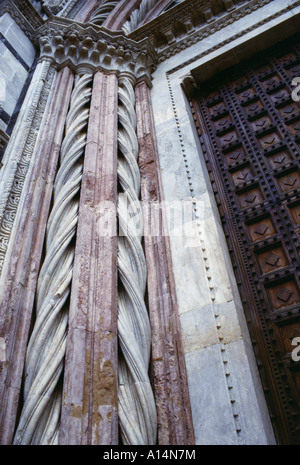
<point x="66" y="42"/>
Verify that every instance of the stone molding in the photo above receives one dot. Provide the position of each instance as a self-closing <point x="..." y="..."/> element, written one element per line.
<point x="67" y="43"/>
<point x="19" y="152"/>
<point x="70" y="8"/>
<point x="178" y="29"/>
<point x="230" y="39"/>
<point x="52" y="7"/>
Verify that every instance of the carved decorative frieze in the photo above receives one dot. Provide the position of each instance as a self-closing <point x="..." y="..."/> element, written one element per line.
<point x="190" y="21"/>
<point x="18" y="155"/>
<point x="178" y="13"/>
<point x="70" y="8"/>
<point x="206" y="32"/>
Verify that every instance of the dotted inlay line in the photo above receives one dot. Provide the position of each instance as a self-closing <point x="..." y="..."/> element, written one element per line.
<point x="226" y="364"/>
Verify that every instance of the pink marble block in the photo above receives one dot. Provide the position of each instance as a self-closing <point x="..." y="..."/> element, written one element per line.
<point x="90" y="397"/>
<point x="168" y="365"/>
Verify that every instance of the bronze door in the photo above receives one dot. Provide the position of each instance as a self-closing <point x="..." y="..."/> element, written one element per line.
<point x="249" y="128"/>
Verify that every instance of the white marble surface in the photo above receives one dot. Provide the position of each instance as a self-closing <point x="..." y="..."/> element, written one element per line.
<point x="14" y="76"/>
<point x="16" y="37"/>
<point x="211" y="409"/>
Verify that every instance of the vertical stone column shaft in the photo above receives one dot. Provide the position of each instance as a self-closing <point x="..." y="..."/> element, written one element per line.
<point x="18" y="139"/>
<point x="39" y="420"/>
<point x="90" y="404"/>
<point x="19" y="152"/>
<point x="21" y="277"/>
<point x="137" y="412"/>
<point x="168" y="364"/>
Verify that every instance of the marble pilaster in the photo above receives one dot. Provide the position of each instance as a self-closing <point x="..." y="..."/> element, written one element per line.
<point x="168" y="364"/>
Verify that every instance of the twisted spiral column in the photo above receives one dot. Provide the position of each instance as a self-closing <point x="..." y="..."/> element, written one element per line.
<point x="138" y="15"/>
<point x="101" y="13"/>
<point x="39" y="421"/>
<point x="137" y="413"/>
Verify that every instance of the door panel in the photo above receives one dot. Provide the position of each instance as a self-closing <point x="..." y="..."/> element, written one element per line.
<point x="249" y="128"/>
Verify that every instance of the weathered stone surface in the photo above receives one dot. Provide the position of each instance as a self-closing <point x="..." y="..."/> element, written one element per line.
<point x="121" y="12"/>
<point x="212" y="413"/>
<point x="89" y="412"/>
<point x="207" y="295"/>
<point x="13" y="77"/>
<point x="214" y="330"/>
<point x="21" y="277"/>
<point x="85" y="12"/>
<point x="137" y="410"/>
<point x="17" y="39"/>
<point x="19" y="153"/>
<point x="168" y="365"/>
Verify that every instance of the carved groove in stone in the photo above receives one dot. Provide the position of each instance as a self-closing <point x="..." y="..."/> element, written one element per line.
<point x="137" y="413"/>
<point x="138" y="15"/>
<point x="51" y="7"/>
<point x="76" y="45"/>
<point x="39" y="422"/>
<point x="101" y="13"/>
<point x="67" y="8"/>
<point x="19" y="152"/>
